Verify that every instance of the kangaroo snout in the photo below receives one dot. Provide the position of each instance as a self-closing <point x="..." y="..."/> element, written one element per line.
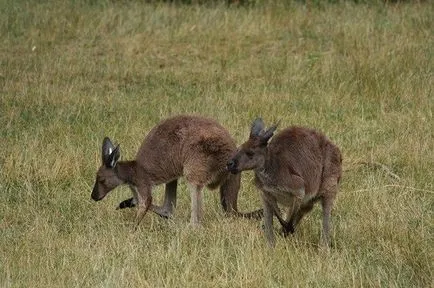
<point x="231" y="166"/>
<point x="95" y="194"/>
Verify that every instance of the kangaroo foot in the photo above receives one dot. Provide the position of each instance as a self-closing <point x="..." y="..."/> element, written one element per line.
<point x="162" y="211"/>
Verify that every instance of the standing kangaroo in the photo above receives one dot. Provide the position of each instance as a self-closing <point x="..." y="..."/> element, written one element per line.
<point x="191" y="146"/>
<point x="297" y="168"/>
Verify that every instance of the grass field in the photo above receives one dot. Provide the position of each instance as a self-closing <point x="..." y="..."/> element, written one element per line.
<point x="72" y="72"/>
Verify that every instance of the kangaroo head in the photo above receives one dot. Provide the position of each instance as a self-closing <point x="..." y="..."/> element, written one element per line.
<point x="251" y="154"/>
<point x="106" y="177"/>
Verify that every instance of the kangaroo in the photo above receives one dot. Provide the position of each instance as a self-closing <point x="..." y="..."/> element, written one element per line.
<point x="297" y="168"/>
<point x="191" y="146"/>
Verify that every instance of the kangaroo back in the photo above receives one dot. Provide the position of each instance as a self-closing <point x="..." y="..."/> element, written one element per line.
<point x="306" y="153"/>
<point x="193" y="146"/>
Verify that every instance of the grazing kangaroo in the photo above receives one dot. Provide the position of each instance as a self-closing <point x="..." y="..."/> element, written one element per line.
<point x="191" y="146"/>
<point x="297" y="168"/>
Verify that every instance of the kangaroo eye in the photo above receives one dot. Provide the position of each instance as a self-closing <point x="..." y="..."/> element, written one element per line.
<point x="250" y="154"/>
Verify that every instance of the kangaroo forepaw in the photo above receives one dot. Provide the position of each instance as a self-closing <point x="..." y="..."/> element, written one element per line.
<point x="128" y="203"/>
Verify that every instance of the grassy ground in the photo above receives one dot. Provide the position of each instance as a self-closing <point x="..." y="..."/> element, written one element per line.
<point x="72" y="72"/>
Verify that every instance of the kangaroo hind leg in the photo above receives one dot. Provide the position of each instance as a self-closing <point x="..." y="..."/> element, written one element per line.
<point x="169" y="203"/>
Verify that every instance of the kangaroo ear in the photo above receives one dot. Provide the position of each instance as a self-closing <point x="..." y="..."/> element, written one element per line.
<point x="114" y="157"/>
<point x="108" y="153"/>
<point x="111" y="160"/>
<point x="257" y="127"/>
<point x="107" y="146"/>
<point x="267" y="134"/>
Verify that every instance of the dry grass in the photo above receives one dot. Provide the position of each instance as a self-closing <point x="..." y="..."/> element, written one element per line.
<point x="72" y="72"/>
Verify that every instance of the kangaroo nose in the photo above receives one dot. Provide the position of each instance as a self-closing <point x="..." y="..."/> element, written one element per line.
<point x="231" y="165"/>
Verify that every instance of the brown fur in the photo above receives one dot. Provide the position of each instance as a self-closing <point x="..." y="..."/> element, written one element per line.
<point x="191" y="146"/>
<point x="297" y="168"/>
